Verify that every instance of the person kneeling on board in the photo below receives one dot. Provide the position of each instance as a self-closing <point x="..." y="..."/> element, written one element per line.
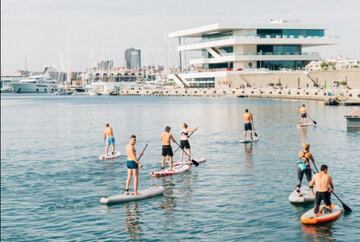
<point x="324" y="187"/>
<point x="304" y="167"/>
<point x="133" y="165"/>
<point x="166" y="138"/>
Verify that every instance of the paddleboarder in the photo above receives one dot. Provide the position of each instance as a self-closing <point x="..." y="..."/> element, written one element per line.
<point x="248" y="120"/>
<point x="166" y="138"/>
<point x="304" y="167"/>
<point x="133" y="165"/>
<point x="324" y="188"/>
<point x="303" y="114"/>
<point x="109" y="139"/>
<point x="184" y="140"/>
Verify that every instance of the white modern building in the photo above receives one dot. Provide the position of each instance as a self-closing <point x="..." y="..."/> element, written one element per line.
<point x="225" y="53"/>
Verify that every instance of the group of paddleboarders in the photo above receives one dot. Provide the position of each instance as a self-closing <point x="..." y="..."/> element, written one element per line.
<point x="133" y="163"/>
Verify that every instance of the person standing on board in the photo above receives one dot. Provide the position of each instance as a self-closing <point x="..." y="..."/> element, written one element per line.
<point x="166" y="138"/>
<point x="133" y="165"/>
<point x="324" y="187"/>
<point x="303" y="114"/>
<point x="248" y="120"/>
<point x="184" y="140"/>
<point x="304" y="166"/>
<point x="109" y="139"/>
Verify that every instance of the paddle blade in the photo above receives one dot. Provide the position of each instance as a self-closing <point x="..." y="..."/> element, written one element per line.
<point x="314" y="122"/>
<point x="346" y="208"/>
<point x="195" y="162"/>
<point x="255" y="134"/>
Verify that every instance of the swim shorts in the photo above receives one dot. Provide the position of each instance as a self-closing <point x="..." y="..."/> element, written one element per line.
<point x="110" y="140"/>
<point x="167" y="150"/>
<point x="132" y="164"/>
<point x="184" y="144"/>
<point x="248" y="126"/>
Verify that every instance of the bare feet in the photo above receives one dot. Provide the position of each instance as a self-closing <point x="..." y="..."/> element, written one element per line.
<point x="136" y="193"/>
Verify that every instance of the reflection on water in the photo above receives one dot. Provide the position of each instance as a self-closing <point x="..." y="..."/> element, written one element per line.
<point x="133" y="220"/>
<point x="303" y="135"/>
<point x="318" y="233"/>
<point x="248" y="155"/>
<point x="169" y="204"/>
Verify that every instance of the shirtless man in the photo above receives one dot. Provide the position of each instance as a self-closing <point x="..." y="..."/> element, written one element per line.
<point x="248" y="119"/>
<point x="303" y="114"/>
<point x="166" y="138"/>
<point x="109" y="139"/>
<point x="324" y="187"/>
<point x="304" y="167"/>
<point x="133" y="165"/>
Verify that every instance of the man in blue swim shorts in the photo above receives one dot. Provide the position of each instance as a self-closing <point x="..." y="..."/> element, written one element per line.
<point x="109" y="139"/>
<point x="133" y="165"/>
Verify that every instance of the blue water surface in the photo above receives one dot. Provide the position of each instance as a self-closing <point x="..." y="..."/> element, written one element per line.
<point x="52" y="180"/>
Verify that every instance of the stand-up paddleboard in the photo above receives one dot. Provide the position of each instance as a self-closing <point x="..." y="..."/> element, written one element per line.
<point x="249" y="140"/>
<point x="305" y="125"/>
<point x="110" y="156"/>
<point x="189" y="162"/>
<point x="304" y="196"/>
<point x="176" y="170"/>
<point x="310" y="218"/>
<point x="123" y="198"/>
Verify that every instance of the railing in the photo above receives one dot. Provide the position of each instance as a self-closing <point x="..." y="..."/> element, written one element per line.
<point x="272" y="53"/>
<point x="267" y="37"/>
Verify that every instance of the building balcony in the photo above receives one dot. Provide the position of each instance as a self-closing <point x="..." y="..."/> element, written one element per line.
<point x="259" y="40"/>
<point x="232" y="57"/>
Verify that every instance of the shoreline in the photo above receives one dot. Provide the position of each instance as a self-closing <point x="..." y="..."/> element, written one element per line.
<point x="344" y="95"/>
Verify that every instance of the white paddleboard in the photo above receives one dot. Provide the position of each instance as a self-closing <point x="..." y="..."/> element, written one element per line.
<point x="189" y="162"/>
<point x="123" y="198"/>
<point x="176" y="170"/>
<point x="304" y="196"/>
<point x="249" y="140"/>
<point x="110" y="156"/>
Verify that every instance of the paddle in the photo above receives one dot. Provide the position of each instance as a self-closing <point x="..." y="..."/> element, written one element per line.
<point x="142" y="152"/>
<point x="188" y="137"/>
<point x="254" y="129"/>
<point x="312" y="120"/>
<point x="346" y="207"/>
<point x="192" y="160"/>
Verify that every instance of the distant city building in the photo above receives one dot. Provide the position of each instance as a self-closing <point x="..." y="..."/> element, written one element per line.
<point x="133" y="58"/>
<point x="105" y="65"/>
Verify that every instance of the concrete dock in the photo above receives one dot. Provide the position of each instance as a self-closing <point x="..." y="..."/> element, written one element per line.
<point x="353" y="119"/>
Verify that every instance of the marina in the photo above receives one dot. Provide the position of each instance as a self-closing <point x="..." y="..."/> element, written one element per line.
<point x="180" y="121"/>
<point x="243" y="188"/>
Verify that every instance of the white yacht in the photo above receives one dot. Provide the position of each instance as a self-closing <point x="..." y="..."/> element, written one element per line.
<point x="36" y="84"/>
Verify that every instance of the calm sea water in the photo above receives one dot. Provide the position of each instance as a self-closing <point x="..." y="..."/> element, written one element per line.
<point x="52" y="180"/>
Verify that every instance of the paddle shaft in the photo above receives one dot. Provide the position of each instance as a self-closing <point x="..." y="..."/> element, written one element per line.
<point x="252" y="122"/>
<point x="192" y="160"/>
<point x="142" y="152"/>
<point x="347" y="208"/>
<point x="312" y="119"/>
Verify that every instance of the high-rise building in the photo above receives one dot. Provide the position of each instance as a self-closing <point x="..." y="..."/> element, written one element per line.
<point x="105" y="65"/>
<point x="132" y="58"/>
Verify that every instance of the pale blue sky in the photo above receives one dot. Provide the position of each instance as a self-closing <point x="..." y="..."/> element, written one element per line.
<point x="42" y="30"/>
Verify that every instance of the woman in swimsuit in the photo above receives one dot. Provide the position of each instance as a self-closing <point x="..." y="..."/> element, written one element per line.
<point x="184" y="140"/>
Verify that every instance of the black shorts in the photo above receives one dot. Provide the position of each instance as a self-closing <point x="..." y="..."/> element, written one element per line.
<point x="248" y="126"/>
<point x="319" y="197"/>
<point x="303" y="115"/>
<point x="184" y="144"/>
<point x="167" y="150"/>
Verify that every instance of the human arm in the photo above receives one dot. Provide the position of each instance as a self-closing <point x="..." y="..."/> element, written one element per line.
<point x="104" y="135"/>
<point x="331" y="185"/>
<point x="312" y="182"/>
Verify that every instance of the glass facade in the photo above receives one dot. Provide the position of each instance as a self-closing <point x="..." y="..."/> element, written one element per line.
<point x="133" y="58"/>
<point x="281" y="33"/>
<point x="203" y="82"/>
<point x="278" y="65"/>
<point x="278" y="49"/>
